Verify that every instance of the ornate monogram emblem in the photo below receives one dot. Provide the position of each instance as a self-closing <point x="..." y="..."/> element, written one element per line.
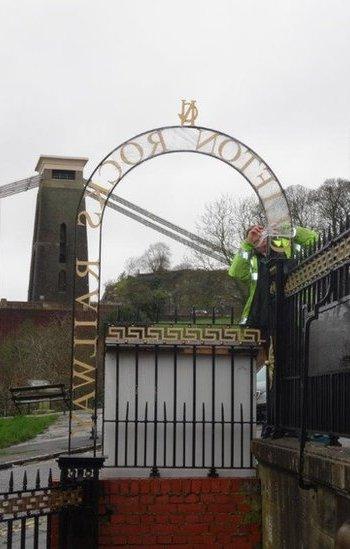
<point x="188" y="113"/>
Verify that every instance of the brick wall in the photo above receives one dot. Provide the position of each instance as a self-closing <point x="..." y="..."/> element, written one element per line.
<point x="14" y="314"/>
<point x="198" y="513"/>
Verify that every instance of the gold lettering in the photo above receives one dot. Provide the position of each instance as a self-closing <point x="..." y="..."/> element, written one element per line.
<point x="273" y="196"/>
<point x="96" y="191"/>
<point x="82" y="374"/>
<point x="89" y="342"/>
<point x="127" y="160"/>
<point x="88" y="219"/>
<point x="87" y="270"/>
<point x="249" y="161"/>
<point x="83" y="401"/>
<point x="85" y="300"/>
<point x="156" y="143"/>
<point x="264" y="181"/>
<point x="85" y="323"/>
<point x="212" y="138"/>
<point x="117" y="166"/>
<point x="235" y="156"/>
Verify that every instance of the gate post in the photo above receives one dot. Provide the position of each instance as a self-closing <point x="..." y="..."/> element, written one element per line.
<point x="78" y="527"/>
<point x="279" y="351"/>
<point x="277" y="343"/>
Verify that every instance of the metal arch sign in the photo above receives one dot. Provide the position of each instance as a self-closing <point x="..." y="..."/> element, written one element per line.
<point x="109" y="172"/>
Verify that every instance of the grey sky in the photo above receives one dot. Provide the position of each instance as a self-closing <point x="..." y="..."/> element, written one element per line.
<point x="79" y="76"/>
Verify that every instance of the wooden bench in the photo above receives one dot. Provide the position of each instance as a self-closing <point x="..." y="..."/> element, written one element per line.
<point x="31" y="394"/>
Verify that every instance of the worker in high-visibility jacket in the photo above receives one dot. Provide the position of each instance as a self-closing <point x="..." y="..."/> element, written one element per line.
<point x="250" y="265"/>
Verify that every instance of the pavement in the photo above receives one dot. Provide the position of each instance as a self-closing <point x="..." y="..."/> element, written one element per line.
<point x="49" y="444"/>
<point x="38" y="456"/>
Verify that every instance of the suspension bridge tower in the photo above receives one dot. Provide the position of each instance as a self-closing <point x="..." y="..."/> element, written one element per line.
<point x="53" y="258"/>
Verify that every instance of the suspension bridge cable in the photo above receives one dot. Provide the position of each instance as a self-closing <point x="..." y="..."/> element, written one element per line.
<point x="164" y="231"/>
<point x="191" y="240"/>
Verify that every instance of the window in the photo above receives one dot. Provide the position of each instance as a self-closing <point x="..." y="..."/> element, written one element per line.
<point x="63" y="243"/>
<point x="63" y="174"/>
<point x="62" y="281"/>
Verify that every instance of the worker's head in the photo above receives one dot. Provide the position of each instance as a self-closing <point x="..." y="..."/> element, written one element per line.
<point x="342" y="539"/>
<point x="256" y="236"/>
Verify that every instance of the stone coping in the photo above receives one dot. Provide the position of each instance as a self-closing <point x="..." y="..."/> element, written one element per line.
<point x="30" y="305"/>
<point x="326" y="465"/>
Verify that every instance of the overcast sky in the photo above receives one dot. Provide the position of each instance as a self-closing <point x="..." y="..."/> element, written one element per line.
<point x="78" y="77"/>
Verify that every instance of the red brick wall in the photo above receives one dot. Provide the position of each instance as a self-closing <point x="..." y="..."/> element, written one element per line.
<point x="191" y="513"/>
<point x="14" y="313"/>
<point x="11" y="319"/>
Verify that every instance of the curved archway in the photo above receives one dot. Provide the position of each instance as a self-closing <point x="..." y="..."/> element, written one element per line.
<point x="110" y="171"/>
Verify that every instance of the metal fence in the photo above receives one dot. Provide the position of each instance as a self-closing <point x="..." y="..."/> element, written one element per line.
<point x="220" y="314"/>
<point x="180" y="396"/>
<point x="49" y="514"/>
<point x="311" y="325"/>
<point x="26" y="513"/>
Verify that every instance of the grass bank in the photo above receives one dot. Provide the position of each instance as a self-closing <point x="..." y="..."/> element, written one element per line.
<point x="20" y="428"/>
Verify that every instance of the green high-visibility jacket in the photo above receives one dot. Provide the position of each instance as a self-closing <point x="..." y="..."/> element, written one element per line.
<point x="244" y="265"/>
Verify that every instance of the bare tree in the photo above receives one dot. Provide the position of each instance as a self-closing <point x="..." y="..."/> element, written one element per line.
<point x="224" y="223"/>
<point x="226" y="220"/>
<point x="133" y="266"/>
<point x="332" y="201"/>
<point x="156" y="258"/>
<point x="302" y="206"/>
<point x="320" y="208"/>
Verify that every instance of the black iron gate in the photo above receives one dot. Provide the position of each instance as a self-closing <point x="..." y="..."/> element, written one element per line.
<point x="310" y="327"/>
<point x="49" y="514"/>
<point x="312" y="343"/>
<point x="180" y="396"/>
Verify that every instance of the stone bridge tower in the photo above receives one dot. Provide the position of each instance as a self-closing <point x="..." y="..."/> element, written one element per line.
<point x="52" y="261"/>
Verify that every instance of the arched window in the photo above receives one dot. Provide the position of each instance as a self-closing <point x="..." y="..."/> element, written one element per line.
<point x="63" y="243"/>
<point x="62" y="281"/>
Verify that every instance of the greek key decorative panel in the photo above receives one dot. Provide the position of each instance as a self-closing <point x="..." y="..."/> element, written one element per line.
<point x="183" y="335"/>
<point x="311" y="270"/>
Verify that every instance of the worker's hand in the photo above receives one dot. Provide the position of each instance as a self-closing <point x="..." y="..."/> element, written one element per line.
<point x="254" y="235"/>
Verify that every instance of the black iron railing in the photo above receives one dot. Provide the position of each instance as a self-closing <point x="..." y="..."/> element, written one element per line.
<point x="36" y="513"/>
<point x="311" y="331"/>
<point x="180" y="404"/>
<point x="27" y="511"/>
<point x="221" y="314"/>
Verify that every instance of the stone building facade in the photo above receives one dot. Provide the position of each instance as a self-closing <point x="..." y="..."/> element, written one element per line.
<point x="53" y="254"/>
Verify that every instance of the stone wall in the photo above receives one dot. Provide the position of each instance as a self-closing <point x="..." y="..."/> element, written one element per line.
<point x="184" y="513"/>
<point x="293" y="517"/>
<point x="57" y="203"/>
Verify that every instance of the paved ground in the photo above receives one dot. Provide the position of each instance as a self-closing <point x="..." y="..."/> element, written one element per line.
<point x="52" y="441"/>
